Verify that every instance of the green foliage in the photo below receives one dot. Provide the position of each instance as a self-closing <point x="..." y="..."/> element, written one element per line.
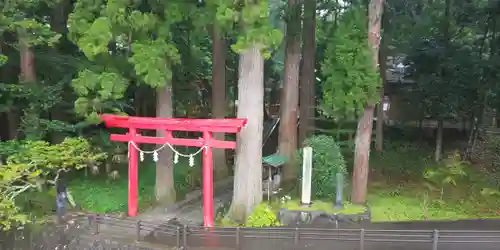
<point x="11" y="215"/>
<point x="18" y="17"/>
<point x="327" y="162"/>
<point x="72" y="153"/>
<point x="402" y="159"/>
<point x="100" y="194"/>
<point x="453" y="171"/>
<point x="35" y="101"/>
<point x="258" y="30"/>
<point x="394" y="197"/>
<point x="32" y="33"/>
<point x="323" y="206"/>
<point x="141" y="40"/>
<point x="253" y="17"/>
<point x="31" y="164"/>
<point x="262" y="216"/>
<point x="3" y="59"/>
<point x="492" y="144"/>
<point x="95" y="89"/>
<point x="490" y="192"/>
<point x="351" y="80"/>
<point x="149" y="61"/>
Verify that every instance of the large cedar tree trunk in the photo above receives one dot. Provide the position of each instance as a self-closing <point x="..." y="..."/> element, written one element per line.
<point x="379" y="138"/>
<point x="59" y="25"/>
<point x="219" y="103"/>
<point x="382" y="56"/>
<point x="11" y="116"/>
<point x="27" y="76"/>
<point x="248" y="173"/>
<point x="164" y="185"/>
<point x="307" y="78"/>
<point x="289" y="103"/>
<point x="365" y="123"/>
<point x="28" y="73"/>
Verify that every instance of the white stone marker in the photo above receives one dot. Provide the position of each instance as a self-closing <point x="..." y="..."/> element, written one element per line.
<point x="306" y="176"/>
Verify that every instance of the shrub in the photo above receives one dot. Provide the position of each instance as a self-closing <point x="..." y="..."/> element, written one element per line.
<point x="262" y="216"/>
<point x="453" y="171"/>
<point x="29" y="165"/>
<point x="327" y="162"/>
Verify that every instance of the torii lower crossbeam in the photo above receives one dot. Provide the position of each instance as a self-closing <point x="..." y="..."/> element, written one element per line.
<point x="206" y="126"/>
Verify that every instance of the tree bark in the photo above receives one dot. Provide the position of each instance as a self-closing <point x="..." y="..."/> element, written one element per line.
<point x="248" y="173"/>
<point x="382" y="56"/>
<point x="12" y="115"/>
<point x="164" y="185"/>
<point x="308" y="78"/>
<point x="290" y="94"/>
<point x="28" y="73"/>
<point x="439" y="140"/>
<point x="30" y="123"/>
<point x="379" y="137"/>
<point x="446" y="43"/>
<point x="365" y="123"/>
<point x="59" y="24"/>
<point x="219" y="103"/>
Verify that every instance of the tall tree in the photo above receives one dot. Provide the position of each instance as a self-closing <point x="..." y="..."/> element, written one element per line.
<point x="365" y="123"/>
<point x="445" y="29"/>
<point x="219" y="100"/>
<point x="164" y="183"/>
<point x="383" y="53"/>
<point x="58" y="24"/>
<point x="127" y="44"/>
<point x="255" y="38"/>
<point x="22" y="19"/>
<point x="248" y="173"/>
<point x="27" y="63"/>
<point x="289" y="102"/>
<point x="307" y="78"/>
<point x="27" y="76"/>
<point x="351" y="82"/>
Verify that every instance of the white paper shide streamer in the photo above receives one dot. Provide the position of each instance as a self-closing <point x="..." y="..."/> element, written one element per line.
<point x="176" y="153"/>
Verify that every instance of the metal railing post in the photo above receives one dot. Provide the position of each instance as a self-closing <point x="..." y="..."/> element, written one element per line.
<point x="178" y="236"/>
<point x="238" y="238"/>
<point x="184" y="237"/>
<point x="362" y="239"/>
<point x="31" y="244"/>
<point x="94" y="223"/>
<point x="296" y="237"/>
<point x="89" y="221"/>
<point x="435" y="239"/>
<point x="138" y="231"/>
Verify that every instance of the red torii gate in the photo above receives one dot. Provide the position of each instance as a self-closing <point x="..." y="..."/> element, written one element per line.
<point x="206" y="126"/>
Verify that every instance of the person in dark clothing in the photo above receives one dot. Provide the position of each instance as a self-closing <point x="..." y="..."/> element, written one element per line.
<point x="61" y="198"/>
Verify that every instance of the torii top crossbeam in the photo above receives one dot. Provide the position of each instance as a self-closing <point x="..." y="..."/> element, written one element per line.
<point x="175" y="124"/>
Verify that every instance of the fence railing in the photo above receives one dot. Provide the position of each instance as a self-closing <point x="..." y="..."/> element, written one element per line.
<point x="191" y="237"/>
<point x="297" y="238"/>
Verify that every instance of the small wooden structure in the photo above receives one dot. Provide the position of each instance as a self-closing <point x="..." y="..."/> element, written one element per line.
<point x="272" y="163"/>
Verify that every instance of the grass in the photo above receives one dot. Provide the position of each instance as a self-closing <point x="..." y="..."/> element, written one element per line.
<point x="322" y="206"/>
<point x="413" y="201"/>
<point x="100" y="194"/>
<point x="398" y="191"/>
